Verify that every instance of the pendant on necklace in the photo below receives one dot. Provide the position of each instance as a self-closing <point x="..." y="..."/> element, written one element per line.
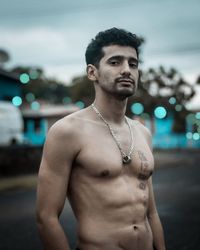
<point x="126" y="159"/>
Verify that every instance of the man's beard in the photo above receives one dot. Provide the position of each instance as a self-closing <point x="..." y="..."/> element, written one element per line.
<point x="123" y="94"/>
<point x="120" y="94"/>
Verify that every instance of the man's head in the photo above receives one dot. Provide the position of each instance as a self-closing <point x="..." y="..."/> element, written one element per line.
<point x="113" y="36"/>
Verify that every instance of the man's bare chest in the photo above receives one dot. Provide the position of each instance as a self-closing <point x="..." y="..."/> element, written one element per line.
<point x="100" y="154"/>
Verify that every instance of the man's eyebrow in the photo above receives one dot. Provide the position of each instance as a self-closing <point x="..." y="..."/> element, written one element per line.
<point x="122" y="57"/>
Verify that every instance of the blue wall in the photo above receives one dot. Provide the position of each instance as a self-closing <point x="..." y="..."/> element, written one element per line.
<point x="36" y="137"/>
<point x="9" y="89"/>
<point x="164" y="137"/>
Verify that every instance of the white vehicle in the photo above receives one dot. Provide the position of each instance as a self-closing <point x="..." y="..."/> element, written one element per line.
<point x="11" y="124"/>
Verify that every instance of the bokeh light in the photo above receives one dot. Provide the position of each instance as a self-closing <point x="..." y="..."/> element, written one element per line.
<point x="172" y="100"/>
<point x="160" y="112"/>
<point x="33" y="74"/>
<point x="67" y="100"/>
<point x="24" y="78"/>
<point x="30" y="97"/>
<point x="190" y="118"/>
<point x="137" y="108"/>
<point x="196" y="136"/>
<point x="80" y="104"/>
<point x="145" y="116"/>
<point x="17" y="100"/>
<point x="197" y="115"/>
<point x="35" y="105"/>
<point x="189" y="135"/>
<point x="178" y="107"/>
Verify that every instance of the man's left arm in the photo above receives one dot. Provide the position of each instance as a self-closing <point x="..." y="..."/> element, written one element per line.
<point x="154" y="221"/>
<point x="153" y="217"/>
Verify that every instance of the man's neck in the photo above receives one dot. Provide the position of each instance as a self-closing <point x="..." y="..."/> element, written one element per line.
<point x="112" y="109"/>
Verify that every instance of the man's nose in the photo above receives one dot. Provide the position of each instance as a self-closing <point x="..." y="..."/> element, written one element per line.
<point x="125" y="69"/>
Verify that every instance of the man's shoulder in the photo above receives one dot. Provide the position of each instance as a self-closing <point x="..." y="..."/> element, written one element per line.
<point x="68" y="125"/>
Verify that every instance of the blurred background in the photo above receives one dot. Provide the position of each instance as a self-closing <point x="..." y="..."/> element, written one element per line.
<point x="42" y="79"/>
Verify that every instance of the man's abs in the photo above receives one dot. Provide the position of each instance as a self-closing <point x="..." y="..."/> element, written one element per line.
<point x="101" y="236"/>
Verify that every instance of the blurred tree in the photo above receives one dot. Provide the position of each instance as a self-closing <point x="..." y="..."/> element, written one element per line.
<point x="161" y="87"/>
<point x="82" y="89"/>
<point x="4" y="57"/>
<point x="155" y="88"/>
<point x="198" y="80"/>
<point x="41" y="87"/>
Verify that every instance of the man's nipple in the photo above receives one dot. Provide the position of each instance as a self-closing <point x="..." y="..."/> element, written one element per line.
<point x="105" y="173"/>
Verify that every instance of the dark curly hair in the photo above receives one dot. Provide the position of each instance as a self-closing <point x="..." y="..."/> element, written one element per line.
<point x="113" y="36"/>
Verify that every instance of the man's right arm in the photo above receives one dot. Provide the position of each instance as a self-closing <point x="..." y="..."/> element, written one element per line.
<point x="59" y="151"/>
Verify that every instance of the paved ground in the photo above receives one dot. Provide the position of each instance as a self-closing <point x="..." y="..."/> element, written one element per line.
<point x="177" y="191"/>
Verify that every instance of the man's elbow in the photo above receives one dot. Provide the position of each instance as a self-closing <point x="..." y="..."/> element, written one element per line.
<point x="45" y="220"/>
<point x="153" y="214"/>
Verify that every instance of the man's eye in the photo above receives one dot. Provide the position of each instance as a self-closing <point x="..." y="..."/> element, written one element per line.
<point x="133" y="65"/>
<point x="114" y="62"/>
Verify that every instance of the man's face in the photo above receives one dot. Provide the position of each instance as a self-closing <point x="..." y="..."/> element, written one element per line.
<point x="117" y="73"/>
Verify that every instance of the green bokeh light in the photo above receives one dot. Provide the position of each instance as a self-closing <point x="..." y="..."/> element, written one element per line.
<point x="190" y="118"/>
<point x="80" y="104"/>
<point x="24" y="78"/>
<point x="33" y="74"/>
<point x="178" y="107"/>
<point x="67" y="100"/>
<point x="30" y="97"/>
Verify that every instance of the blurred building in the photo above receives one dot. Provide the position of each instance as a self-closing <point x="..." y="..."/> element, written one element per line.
<point x="37" y="122"/>
<point x="10" y="85"/>
<point x="164" y="137"/>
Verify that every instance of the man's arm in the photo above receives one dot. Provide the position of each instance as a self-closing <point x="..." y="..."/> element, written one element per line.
<point x="153" y="217"/>
<point x="58" y="154"/>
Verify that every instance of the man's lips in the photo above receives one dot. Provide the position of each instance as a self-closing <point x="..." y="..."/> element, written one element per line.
<point x="125" y="80"/>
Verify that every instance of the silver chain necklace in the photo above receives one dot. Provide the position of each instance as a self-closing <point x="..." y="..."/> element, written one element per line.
<point x="126" y="158"/>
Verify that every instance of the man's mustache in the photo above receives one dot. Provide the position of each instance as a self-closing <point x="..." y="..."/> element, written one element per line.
<point x="125" y="79"/>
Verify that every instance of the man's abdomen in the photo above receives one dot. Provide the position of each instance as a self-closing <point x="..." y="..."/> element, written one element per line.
<point x="98" y="235"/>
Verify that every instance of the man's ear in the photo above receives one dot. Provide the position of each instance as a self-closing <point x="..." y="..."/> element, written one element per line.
<point x="92" y="72"/>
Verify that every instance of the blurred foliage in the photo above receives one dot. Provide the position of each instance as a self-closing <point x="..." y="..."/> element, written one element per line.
<point x="4" y="57"/>
<point x="155" y="87"/>
<point x="43" y="88"/>
<point x="82" y="89"/>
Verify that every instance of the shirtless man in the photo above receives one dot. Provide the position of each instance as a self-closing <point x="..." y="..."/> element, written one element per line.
<point x="102" y="161"/>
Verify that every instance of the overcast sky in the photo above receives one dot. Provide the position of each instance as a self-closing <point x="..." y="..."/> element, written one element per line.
<point x="54" y="34"/>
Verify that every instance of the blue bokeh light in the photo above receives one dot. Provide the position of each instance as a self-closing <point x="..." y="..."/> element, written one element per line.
<point x="137" y="108"/>
<point x="196" y="136"/>
<point x="35" y="105"/>
<point x="160" y="112"/>
<point x="172" y="100"/>
<point x="17" y="100"/>
<point x="189" y="135"/>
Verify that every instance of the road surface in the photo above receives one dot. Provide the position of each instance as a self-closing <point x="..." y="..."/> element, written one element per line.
<point x="177" y="191"/>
